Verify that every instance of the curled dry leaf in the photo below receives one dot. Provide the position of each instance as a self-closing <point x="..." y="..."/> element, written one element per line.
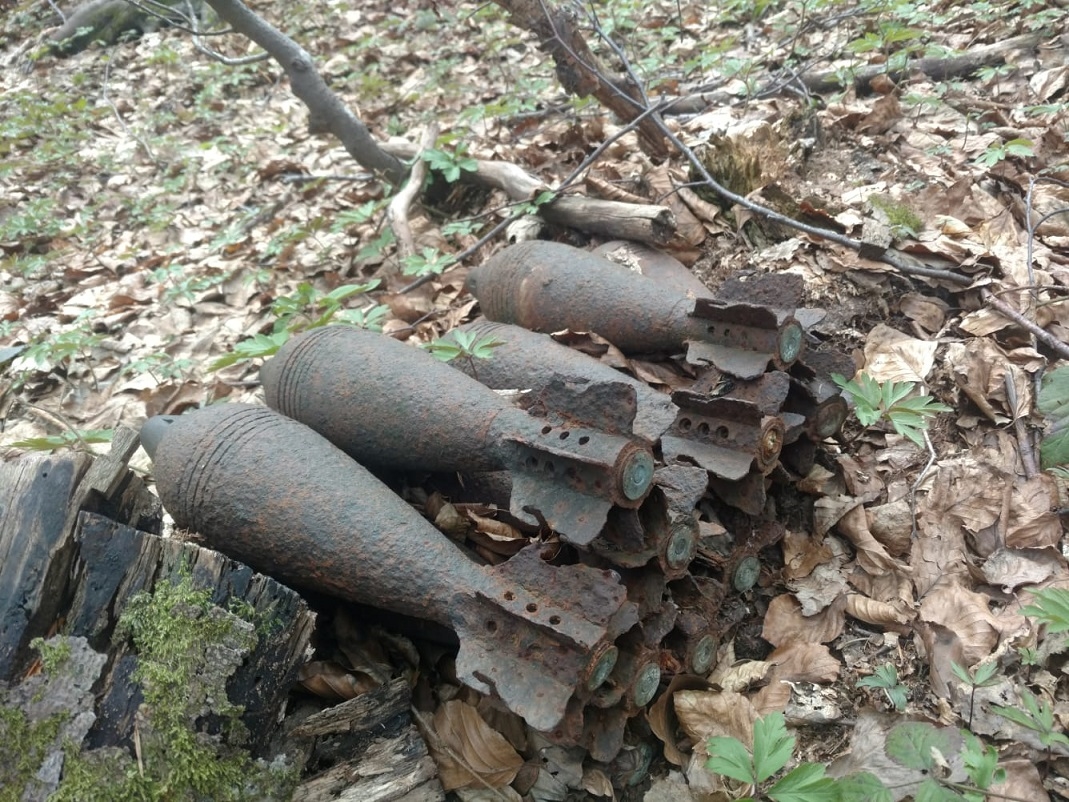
<point x="892" y="526"/>
<point x="469" y="754"/>
<point x="496" y="536"/>
<point x="744" y="675"/>
<point x="802" y="553"/>
<point x="329" y="680"/>
<point x="1011" y="568"/>
<point x="804" y="662"/>
<point x="871" y="556"/>
<point x="890" y="615"/>
<point x="966" y="613"/>
<point x="662" y="716"/>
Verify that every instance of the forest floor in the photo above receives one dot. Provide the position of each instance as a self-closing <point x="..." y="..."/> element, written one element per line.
<point x="166" y="220"/>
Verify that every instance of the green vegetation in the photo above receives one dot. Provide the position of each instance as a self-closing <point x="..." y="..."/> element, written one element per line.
<point x="306" y="309"/>
<point x="464" y="345"/>
<point x="902" y="220"/>
<point x="179" y="636"/>
<point x="875" y="401"/>
<point x="23" y="747"/>
<point x="885" y="678"/>
<point x="920" y="746"/>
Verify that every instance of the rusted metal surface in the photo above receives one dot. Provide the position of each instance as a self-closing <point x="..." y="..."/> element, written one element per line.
<point x="726" y="436"/>
<point x="655" y="265"/>
<point x="270" y="492"/>
<point x="634" y="538"/>
<point x="814" y="394"/>
<point x="545" y="286"/>
<point x="391" y="405"/>
<point x="531" y="361"/>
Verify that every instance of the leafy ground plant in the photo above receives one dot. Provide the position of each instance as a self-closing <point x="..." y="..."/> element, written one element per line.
<point x="464" y="344"/>
<point x="885" y="678"/>
<point x="306" y="309"/>
<point x="772" y="748"/>
<point x="875" y="401"/>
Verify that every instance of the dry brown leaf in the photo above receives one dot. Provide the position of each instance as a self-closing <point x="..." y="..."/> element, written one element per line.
<point x="327" y="679"/>
<point x="1023" y="781"/>
<point x="805" y="662"/>
<point x="891" y="355"/>
<point x="704" y="714"/>
<point x="802" y="553"/>
<point x="597" y="783"/>
<point x="743" y="675"/>
<point x="1033" y="520"/>
<point x="662" y="715"/>
<point x="892" y="526"/>
<point x="468" y="752"/>
<point x="785" y="623"/>
<point x="871" y="556"/>
<point x="1011" y="568"/>
<point x="889" y="615"/>
<point x="822" y="587"/>
<point x="981" y="369"/>
<point x="966" y="614"/>
<point x="688" y="227"/>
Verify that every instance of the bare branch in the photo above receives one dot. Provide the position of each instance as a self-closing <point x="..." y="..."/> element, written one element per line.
<point x="327" y="112"/>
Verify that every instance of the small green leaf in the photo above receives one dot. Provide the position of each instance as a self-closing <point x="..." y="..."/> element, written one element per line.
<point x="864" y="785"/>
<point x="805" y="783"/>
<point x="1051" y="607"/>
<point x="911" y="744"/>
<point x="728" y="757"/>
<point x="1053" y="398"/>
<point x="931" y="791"/>
<point x="981" y="761"/>
<point x="772" y="745"/>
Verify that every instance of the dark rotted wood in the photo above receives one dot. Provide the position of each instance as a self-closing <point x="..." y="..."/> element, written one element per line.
<point x="375" y="751"/>
<point x="72" y="555"/>
<point x="115" y="562"/>
<point x="40" y="499"/>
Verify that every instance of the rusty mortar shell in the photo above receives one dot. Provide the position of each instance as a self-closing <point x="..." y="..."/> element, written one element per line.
<point x="546" y="286"/>
<point x="727" y="436"/>
<point x="390" y="405"/>
<point x="694" y="640"/>
<point x="654" y="264"/>
<point x="815" y="395"/>
<point x="272" y="493"/>
<point x="634" y="538"/>
<point x="527" y="360"/>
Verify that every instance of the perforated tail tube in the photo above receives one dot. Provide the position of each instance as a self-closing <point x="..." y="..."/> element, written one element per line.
<point x="391" y="405"/>
<point x="272" y="493"/>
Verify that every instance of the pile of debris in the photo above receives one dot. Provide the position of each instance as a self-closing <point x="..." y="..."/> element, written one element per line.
<point x="610" y="485"/>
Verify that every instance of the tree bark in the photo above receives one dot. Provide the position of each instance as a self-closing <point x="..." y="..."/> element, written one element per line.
<point x="327" y="112"/>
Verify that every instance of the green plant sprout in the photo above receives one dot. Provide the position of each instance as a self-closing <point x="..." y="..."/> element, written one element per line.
<point x="874" y="401"/>
<point x="450" y="165"/>
<point x="429" y="260"/>
<point x="772" y="748"/>
<point x="306" y="309"/>
<point x="997" y="151"/>
<point x="1037" y="716"/>
<point x="885" y="678"/>
<point x="466" y="344"/>
<point x="68" y="439"/>
<point x="982" y="677"/>
<point x="1051" y="607"/>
